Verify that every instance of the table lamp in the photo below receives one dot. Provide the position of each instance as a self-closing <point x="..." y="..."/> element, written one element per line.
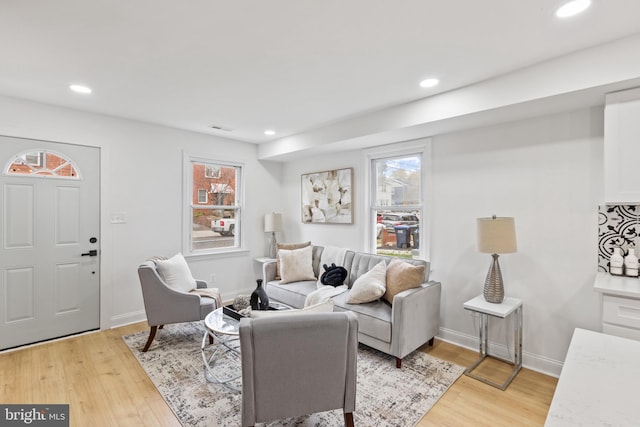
<point x="273" y="224"/>
<point x="495" y="236"/>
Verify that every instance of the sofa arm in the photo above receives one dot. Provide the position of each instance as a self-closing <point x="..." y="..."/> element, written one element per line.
<point x="269" y="271"/>
<point x="415" y="317"/>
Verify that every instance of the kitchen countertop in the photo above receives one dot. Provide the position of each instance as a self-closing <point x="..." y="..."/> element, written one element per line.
<point x="622" y="286"/>
<point x="599" y="382"/>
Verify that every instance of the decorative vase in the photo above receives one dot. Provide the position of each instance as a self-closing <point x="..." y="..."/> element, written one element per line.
<point x="616" y="262"/>
<point x="259" y="297"/>
<point x="493" y="285"/>
<point x="631" y="263"/>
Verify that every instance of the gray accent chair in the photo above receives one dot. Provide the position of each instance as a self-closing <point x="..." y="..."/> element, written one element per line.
<point x="298" y="364"/>
<point x="165" y="305"/>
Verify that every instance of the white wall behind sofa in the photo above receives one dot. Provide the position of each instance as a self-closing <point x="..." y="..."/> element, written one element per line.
<point x="142" y="176"/>
<point x="547" y="173"/>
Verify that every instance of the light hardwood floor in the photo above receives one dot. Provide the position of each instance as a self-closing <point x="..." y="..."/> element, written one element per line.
<point x="105" y="386"/>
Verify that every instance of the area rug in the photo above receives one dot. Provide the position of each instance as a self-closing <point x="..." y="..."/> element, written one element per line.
<point x="385" y="396"/>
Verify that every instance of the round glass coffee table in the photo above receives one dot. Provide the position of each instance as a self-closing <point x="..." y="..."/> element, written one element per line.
<point x="224" y="351"/>
<point x="222" y="357"/>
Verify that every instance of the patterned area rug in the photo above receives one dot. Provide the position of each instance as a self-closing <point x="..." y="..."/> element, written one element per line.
<point x="386" y="396"/>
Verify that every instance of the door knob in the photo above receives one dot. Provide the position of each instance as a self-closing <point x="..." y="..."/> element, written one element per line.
<point x="92" y="252"/>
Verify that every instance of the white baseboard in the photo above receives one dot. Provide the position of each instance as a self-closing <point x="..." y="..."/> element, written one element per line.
<point x="128" y="318"/>
<point x="529" y="360"/>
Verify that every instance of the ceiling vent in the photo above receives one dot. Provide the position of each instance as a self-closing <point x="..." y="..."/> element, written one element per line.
<point x="216" y="127"/>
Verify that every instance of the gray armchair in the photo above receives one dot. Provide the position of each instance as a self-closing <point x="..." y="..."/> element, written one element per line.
<point x="165" y="305"/>
<point x="298" y="364"/>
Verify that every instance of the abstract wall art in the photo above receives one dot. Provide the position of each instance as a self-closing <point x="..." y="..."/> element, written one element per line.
<point x="327" y="197"/>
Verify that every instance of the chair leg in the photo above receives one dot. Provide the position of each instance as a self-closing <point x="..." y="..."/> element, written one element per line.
<point x="431" y="341"/>
<point x="210" y="339"/>
<point x="152" y="335"/>
<point x="161" y="327"/>
<point x="348" y="419"/>
<point x="398" y="363"/>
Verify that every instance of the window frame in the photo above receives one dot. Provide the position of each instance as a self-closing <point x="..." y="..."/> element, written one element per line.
<point x="421" y="147"/>
<point x="188" y="205"/>
<point x="48" y="173"/>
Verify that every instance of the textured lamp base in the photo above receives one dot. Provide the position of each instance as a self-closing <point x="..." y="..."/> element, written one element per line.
<point x="493" y="285"/>
<point x="273" y="246"/>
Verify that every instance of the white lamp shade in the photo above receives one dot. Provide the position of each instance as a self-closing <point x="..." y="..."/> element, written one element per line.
<point x="496" y="235"/>
<point x="273" y="222"/>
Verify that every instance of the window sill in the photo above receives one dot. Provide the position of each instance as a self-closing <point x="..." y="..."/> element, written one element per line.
<point x="219" y="254"/>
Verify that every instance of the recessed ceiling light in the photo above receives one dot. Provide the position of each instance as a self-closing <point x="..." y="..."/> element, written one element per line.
<point x="572" y="8"/>
<point x="80" y="89"/>
<point x="429" y="83"/>
<point x="270" y="132"/>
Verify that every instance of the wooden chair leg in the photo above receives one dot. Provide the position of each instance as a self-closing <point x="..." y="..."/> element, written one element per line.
<point x="398" y="363"/>
<point x="431" y="341"/>
<point x="161" y="326"/>
<point x="348" y="419"/>
<point x="152" y="335"/>
<point x="210" y="339"/>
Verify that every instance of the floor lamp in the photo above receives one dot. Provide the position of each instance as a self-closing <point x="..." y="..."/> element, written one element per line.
<point x="273" y="224"/>
<point x="495" y="236"/>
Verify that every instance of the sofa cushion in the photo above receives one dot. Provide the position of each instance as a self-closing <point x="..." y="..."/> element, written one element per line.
<point x="323" y="307"/>
<point x="374" y="318"/>
<point x="287" y="246"/>
<point x="402" y="276"/>
<point x="296" y="264"/>
<point x="293" y="294"/>
<point x="370" y="286"/>
<point x="363" y="262"/>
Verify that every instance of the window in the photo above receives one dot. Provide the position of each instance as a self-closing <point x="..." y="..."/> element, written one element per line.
<point x="214" y="197"/>
<point x="202" y="196"/>
<point x="211" y="171"/>
<point x="42" y="164"/>
<point x="397" y="182"/>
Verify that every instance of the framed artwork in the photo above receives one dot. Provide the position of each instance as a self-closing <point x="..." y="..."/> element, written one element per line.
<point x="327" y="197"/>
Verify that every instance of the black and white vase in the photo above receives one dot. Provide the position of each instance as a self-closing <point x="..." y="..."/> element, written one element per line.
<point x="259" y="297"/>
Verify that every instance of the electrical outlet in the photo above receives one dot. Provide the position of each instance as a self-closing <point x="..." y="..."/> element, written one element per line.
<point x="212" y="278"/>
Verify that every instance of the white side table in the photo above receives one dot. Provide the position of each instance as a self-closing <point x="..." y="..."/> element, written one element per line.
<point x="503" y="310"/>
<point x="262" y="261"/>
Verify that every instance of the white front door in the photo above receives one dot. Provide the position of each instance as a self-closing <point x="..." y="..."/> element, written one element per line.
<point x="49" y="240"/>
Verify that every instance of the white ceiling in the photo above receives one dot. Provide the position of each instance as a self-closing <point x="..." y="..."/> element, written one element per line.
<point x="290" y="65"/>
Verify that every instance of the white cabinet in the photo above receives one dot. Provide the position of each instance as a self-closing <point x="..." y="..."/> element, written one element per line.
<point x="620" y="305"/>
<point x="622" y="147"/>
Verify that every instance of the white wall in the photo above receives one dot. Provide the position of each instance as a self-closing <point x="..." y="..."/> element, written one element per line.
<point x="547" y="173"/>
<point x="141" y="174"/>
<point x="348" y="235"/>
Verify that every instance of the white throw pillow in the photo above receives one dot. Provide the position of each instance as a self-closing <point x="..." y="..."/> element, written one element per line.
<point x="370" y="286"/>
<point x="296" y="265"/>
<point x="323" y="307"/>
<point x="176" y="274"/>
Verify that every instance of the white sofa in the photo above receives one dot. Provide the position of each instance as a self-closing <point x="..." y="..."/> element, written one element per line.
<point x="396" y="329"/>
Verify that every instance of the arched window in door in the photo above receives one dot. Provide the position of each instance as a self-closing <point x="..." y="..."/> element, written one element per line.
<point x="43" y="164"/>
